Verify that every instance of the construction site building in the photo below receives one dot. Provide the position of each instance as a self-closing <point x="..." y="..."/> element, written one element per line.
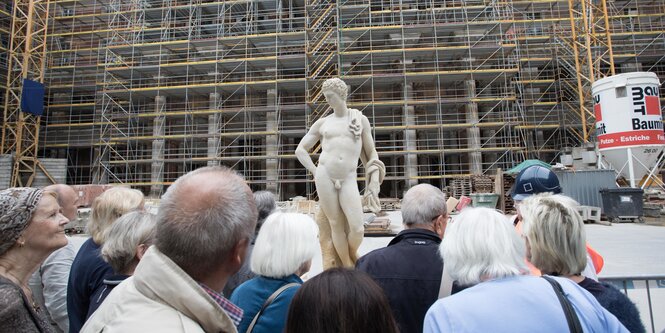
<point x="140" y="92"/>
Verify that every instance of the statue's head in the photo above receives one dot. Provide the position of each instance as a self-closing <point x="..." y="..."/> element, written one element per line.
<point x="336" y="86"/>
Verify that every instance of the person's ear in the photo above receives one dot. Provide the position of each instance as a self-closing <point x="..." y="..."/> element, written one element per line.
<point x="140" y="251"/>
<point x="240" y="252"/>
<point x="440" y="224"/>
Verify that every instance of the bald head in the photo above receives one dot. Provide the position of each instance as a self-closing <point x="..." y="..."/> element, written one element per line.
<point x="422" y="204"/>
<point x="202" y="218"/>
<point x="68" y="199"/>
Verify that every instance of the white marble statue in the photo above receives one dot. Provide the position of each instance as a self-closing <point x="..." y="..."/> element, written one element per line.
<point x="345" y="137"/>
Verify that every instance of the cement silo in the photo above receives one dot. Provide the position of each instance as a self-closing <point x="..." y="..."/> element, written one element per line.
<point x="629" y="123"/>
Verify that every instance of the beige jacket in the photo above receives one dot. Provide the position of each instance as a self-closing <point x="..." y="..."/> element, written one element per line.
<point x="160" y="297"/>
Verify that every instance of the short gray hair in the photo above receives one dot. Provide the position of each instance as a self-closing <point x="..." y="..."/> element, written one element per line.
<point x="285" y="242"/>
<point x="202" y="217"/>
<point x="265" y="205"/>
<point x="124" y="236"/>
<point x="422" y="204"/>
<point x="555" y="232"/>
<point x="480" y="245"/>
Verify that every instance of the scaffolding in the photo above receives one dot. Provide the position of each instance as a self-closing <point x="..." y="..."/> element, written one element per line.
<point x="25" y="60"/>
<point x="5" y="30"/>
<point x="142" y="91"/>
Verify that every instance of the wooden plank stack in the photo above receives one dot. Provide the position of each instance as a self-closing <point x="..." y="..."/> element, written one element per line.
<point x="461" y="186"/>
<point x="380" y="225"/>
<point x="483" y="184"/>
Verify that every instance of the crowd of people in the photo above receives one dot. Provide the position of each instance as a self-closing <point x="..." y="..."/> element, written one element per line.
<point x="218" y="258"/>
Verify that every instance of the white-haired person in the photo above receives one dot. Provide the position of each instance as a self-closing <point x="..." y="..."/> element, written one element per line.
<point x="481" y="248"/>
<point x="284" y="249"/>
<point x="89" y="269"/>
<point x="126" y="242"/>
<point x="556" y="239"/>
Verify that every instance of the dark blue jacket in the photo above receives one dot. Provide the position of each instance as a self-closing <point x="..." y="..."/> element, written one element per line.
<point x="85" y="278"/>
<point x="251" y="295"/>
<point x="409" y="271"/>
<point x="616" y="302"/>
<point x="100" y="294"/>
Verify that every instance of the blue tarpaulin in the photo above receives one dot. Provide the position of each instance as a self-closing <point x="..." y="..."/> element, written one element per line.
<point x="32" y="97"/>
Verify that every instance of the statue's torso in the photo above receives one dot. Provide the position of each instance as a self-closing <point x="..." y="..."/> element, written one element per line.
<point x="340" y="148"/>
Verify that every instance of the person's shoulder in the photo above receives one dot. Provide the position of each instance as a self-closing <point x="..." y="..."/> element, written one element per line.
<point x="76" y="242"/>
<point x="9" y="293"/>
<point x="372" y="257"/>
<point x="288" y="293"/>
<point x="612" y="295"/>
<point x="149" y="317"/>
<point x="249" y="286"/>
<point x="11" y="301"/>
<point x="89" y="251"/>
<point x="438" y="318"/>
<point x="377" y="252"/>
<point x="439" y="309"/>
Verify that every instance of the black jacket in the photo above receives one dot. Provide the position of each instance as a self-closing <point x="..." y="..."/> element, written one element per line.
<point x="409" y="271"/>
<point x="616" y="302"/>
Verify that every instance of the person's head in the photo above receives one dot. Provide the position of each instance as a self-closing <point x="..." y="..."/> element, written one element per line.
<point x="265" y="205"/>
<point x="481" y="245"/>
<point x="340" y="300"/>
<point x="337" y="87"/>
<point x="68" y="199"/>
<point x="205" y="221"/>
<point x="554" y="231"/>
<point x="109" y="206"/>
<point x="533" y="180"/>
<point x="286" y="244"/>
<point x="127" y="240"/>
<point x="30" y="219"/>
<point x="424" y="207"/>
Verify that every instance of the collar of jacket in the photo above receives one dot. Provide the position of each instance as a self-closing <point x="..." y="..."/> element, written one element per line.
<point x="416" y="233"/>
<point x="115" y="280"/>
<point x="160" y="279"/>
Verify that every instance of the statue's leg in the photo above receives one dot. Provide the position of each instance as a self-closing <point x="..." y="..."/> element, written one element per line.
<point x="329" y="204"/>
<point x="351" y="203"/>
<point x="328" y="254"/>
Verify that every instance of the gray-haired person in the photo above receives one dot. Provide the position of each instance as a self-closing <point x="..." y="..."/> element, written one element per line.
<point x="205" y="222"/>
<point x="126" y="242"/>
<point x="409" y="268"/>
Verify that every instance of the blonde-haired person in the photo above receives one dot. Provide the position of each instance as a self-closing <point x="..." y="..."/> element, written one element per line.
<point x="126" y="242"/>
<point x="89" y="269"/>
<point x="284" y="249"/>
<point x="556" y="241"/>
<point x="481" y="248"/>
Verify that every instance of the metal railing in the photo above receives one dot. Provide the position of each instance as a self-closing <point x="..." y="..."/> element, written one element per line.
<point x="631" y="286"/>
